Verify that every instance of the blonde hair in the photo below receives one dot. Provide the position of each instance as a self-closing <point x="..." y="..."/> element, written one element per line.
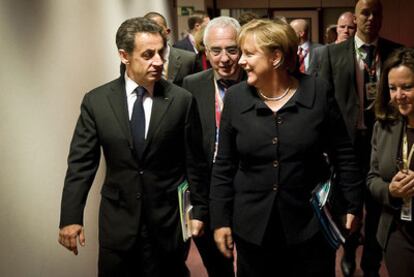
<point x="273" y="35"/>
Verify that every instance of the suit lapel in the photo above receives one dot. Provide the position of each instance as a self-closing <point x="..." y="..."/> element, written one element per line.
<point x="208" y="92"/>
<point x="161" y="101"/>
<point x="174" y="64"/>
<point x="396" y="138"/>
<point x="118" y="102"/>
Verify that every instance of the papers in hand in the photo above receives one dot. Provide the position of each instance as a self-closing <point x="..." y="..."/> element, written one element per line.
<point x="320" y="205"/>
<point x="185" y="209"/>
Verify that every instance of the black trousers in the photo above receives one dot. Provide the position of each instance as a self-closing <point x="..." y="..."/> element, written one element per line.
<point x="215" y="263"/>
<point x="313" y="258"/>
<point x="399" y="254"/>
<point x="144" y="259"/>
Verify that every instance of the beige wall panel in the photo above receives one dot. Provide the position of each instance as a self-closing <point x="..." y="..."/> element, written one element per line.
<point x="52" y="53"/>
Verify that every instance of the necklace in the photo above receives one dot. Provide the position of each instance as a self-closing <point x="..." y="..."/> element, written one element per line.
<point x="276" y="98"/>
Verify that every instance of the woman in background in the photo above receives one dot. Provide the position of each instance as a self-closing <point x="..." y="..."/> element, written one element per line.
<point x="391" y="176"/>
<point x="274" y="131"/>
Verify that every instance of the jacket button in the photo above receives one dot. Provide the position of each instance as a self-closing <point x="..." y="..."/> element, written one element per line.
<point x="275" y="163"/>
<point x="279" y="120"/>
<point x="138" y="195"/>
<point x="275" y="187"/>
<point x="274" y="140"/>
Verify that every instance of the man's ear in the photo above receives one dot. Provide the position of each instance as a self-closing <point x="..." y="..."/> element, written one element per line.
<point x="124" y="56"/>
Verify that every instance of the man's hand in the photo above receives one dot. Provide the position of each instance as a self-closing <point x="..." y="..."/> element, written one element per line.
<point x="69" y="235"/>
<point x="224" y="241"/>
<point x="196" y="227"/>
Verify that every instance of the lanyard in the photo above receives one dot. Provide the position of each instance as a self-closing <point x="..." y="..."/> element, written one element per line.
<point x="370" y="70"/>
<point x="405" y="155"/>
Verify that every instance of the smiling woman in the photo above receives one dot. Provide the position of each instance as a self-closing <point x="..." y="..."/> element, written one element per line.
<point x="391" y="176"/>
<point x="274" y="131"/>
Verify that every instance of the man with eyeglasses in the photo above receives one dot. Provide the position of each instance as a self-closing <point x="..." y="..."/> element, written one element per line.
<point x="209" y="89"/>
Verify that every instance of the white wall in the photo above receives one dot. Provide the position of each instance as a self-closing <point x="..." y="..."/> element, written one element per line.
<point x="51" y="53"/>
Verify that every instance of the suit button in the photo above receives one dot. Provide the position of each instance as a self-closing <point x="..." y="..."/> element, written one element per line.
<point x="279" y="120"/>
<point x="274" y="140"/>
<point x="275" y="187"/>
<point x="275" y="163"/>
<point x="138" y="195"/>
<point x="141" y="172"/>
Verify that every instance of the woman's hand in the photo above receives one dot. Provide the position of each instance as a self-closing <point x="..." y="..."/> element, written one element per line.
<point x="402" y="185"/>
<point x="224" y="241"/>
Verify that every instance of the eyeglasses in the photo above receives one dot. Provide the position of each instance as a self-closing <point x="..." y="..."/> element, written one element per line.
<point x="230" y="51"/>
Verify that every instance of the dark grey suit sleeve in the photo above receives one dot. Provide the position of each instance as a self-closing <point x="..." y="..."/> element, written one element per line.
<point x="197" y="169"/>
<point x="224" y="170"/>
<point x="83" y="162"/>
<point x="350" y="180"/>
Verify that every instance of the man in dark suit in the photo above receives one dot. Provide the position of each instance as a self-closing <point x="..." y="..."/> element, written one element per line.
<point x="149" y="132"/>
<point x="209" y="88"/>
<point x="345" y="28"/>
<point x="195" y="23"/>
<point x="178" y="63"/>
<point x="353" y="68"/>
<point x="306" y="46"/>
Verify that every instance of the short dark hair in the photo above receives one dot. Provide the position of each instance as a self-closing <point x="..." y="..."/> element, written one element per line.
<point x="247" y="17"/>
<point x="196" y="18"/>
<point x="384" y="110"/>
<point x="152" y="15"/>
<point x="125" y="36"/>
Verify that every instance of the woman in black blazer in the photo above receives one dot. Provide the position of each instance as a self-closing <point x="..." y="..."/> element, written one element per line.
<point x="274" y="131"/>
<point x="391" y="176"/>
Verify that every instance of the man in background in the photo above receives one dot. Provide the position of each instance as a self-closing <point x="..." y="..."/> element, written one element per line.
<point x="345" y="29"/>
<point x="306" y="46"/>
<point x="209" y="89"/>
<point x="353" y="68"/>
<point x="195" y="22"/>
<point x="178" y="63"/>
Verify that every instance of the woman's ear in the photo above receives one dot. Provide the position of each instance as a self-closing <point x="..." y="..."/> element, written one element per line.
<point x="277" y="60"/>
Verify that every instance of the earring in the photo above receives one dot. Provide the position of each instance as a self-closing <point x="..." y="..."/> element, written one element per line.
<point x="278" y="63"/>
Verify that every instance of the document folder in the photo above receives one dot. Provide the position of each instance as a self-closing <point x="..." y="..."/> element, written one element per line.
<point x="321" y="207"/>
<point x="185" y="209"/>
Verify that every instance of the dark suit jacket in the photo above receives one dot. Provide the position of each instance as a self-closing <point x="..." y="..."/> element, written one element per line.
<point x="201" y="85"/>
<point x="312" y="47"/>
<point x="180" y="64"/>
<point x="315" y="64"/>
<point x="266" y="159"/>
<point x="136" y="190"/>
<point x="386" y="141"/>
<point x="184" y="44"/>
<point x="338" y="67"/>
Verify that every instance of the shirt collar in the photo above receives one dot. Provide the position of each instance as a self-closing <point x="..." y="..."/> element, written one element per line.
<point x="131" y="85"/>
<point x="359" y="42"/>
<point x="305" y="45"/>
<point x="166" y="52"/>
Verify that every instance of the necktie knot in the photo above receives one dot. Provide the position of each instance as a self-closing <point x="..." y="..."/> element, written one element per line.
<point x="140" y="91"/>
<point x="226" y="83"/>
<point x="369" y="50"/>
